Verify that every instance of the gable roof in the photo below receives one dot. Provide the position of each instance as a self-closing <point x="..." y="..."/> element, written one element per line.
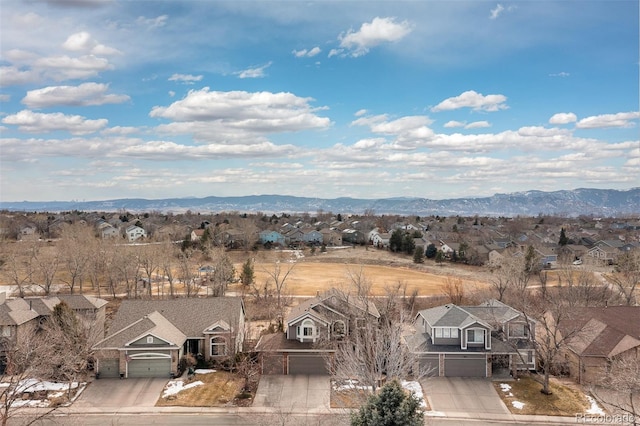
<point x="18" y="311"/>
<point x="189" y="315"/>
<point x="451" y="315"/>
<point x="608" y="330"/>
<point x="321" y="302"/>
<point x="154" y="324"/>
<point x="493" y="311"/>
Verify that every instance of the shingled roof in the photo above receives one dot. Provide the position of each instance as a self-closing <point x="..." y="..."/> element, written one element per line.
<point x="608" y="330"/>
<point x="189" y="315"/>
<point x="154" y="324"/>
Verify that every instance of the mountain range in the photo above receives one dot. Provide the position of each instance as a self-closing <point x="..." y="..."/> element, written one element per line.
<point x="583" y="201"/>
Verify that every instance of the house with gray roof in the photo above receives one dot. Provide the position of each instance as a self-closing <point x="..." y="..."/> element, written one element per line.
<point x="20" y="317"/>
<point x="473" y="341"/>
<point x="312" y="329"/>
<point x="147" y="338"/>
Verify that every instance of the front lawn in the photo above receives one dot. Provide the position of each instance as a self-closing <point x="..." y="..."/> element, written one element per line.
<point x="523" y="396"/>
<point x="212" y="389"/>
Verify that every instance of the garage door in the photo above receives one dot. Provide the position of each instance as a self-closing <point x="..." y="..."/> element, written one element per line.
<point x="150" y="367"/>
<point x="108" y="368"/>
<point x="465" y="366"/>
<point x="307" y="364"/>
<point x="429" y="366"/>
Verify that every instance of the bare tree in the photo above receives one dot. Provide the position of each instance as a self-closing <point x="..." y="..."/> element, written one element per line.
<point x="279" y="275"/>
<point x="454" y="290"/>
<point x="620" y="388"/>
<point x="626" y="277"/>
<point x="186" y="273"/>
<point x="149" y="260"/>
<point x="18" y="266"/>
<point x="75" y="257"/>
<point x="223" y="272"/>
<point x="46" y="261"/>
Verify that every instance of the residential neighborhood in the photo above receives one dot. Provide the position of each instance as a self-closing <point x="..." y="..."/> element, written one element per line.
<point x="488" y="301"/>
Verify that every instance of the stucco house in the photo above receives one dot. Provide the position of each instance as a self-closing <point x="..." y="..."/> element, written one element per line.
<point x="607" y="333"/>
<point x="473" y="341"/>
<point x="147" y="338"/>
<point x="311" y="330"/>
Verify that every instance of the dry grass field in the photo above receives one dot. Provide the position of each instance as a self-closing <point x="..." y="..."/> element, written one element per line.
<point x="311" y="273"/>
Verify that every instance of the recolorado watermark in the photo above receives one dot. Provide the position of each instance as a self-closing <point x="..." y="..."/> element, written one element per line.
<point x="606" y="419"/>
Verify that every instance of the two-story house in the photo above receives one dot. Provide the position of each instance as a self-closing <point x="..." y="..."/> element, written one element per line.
<point x="134" y="233"/>
<point x="312" y="329"/>
<point x="472" y="341"/>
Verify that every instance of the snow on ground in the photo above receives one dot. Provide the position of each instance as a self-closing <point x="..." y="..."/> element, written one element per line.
<point x="204" y="371"/>
<point x="176" y="386"/>
<point x="595" y="408"/>
<point x="517" y="404"/>
<point x="506" y="388"/>
<point x="411" y="386"/>
<point x="35" y="385"/>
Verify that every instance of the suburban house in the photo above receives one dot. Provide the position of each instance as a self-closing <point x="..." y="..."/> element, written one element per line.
<point x="197" y="234"/>
<point x="134" y="232"/>
<point x="21" y="316"/>
<point x="28" y="233"/>
<point x="107" y="230"/>
<point x="272" y="237"/>
<point x="473" y="341"/>
<point x="607" y="333"/>
<point x="147" y="338"/>
<point x="311" y="330"/>
<point x="312" y="237"/>
<point x="331" y="237"/>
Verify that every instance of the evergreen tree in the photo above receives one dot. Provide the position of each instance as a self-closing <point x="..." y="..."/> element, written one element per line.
<point x="395" y="241"/>
<point x="439" y="257"/>
<point x="408" y="245"/>
<point x="564" y="240"/>
<point x="418" y="255"/>
<point x="247" y="275"/>
<point x="431" y="251"/>
<point x="392" y="406"/>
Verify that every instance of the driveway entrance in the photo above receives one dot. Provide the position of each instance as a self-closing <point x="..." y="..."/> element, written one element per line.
<point x="457" y="394"/>
<point x="122" y="393"/>
<point x="293" y="392"/>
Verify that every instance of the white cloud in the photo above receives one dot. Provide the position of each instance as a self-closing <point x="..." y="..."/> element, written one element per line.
<point x="66" y="68"/>
<point x="5" y="98"/>
<point x="453" y="123"/>
<point x="563" y="118"/>
<point x="621" y="119"/>
<point x="185" y="78"/>
<point x="152" y="23"/>
<point x="228" y="116"/>
<point x="257" y="72"/>
<point x="472" y="99"/>
<point x="83" y="95"/>
<point x="560" y="74"/>
<point x="335" y="52"/>
<point x="378" y="31"/>
<point x="304" y="53"/>
<point x="497" y="11"/>
<point x="83" y="42"/>
<point x="33" y="122"/>
<point x="477" y="125"/>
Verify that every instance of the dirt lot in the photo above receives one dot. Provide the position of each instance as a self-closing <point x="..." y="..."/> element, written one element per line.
<point x="311" y="273"/>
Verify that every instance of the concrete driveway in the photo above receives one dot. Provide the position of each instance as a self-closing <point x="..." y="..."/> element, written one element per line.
<point x="460" y="394"/>
<point x="298" y="392"/>
<point x="122" y="393"/>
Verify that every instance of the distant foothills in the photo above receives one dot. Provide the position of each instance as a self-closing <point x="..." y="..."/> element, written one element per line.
<point x="571" y="203"/>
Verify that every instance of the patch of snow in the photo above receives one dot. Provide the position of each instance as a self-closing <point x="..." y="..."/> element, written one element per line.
<point x="595" y="408"/>
<point x="415" y="387"/>
<point x="505" y="387"/>
<point x="517" y="404"/>
<point x="204" y="371"/>
<point x="35" y="385"/>
<point x="176" y="386"/>
<point x="30" y="403"/>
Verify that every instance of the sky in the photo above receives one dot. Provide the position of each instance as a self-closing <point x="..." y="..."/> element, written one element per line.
<point x="107" y="99"/>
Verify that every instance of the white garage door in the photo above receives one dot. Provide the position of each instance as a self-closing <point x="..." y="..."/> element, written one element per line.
<point x="108" y="368"/>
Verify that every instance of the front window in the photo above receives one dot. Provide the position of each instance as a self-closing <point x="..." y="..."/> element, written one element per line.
<point x="307" y="329"/>
<point x="475" y="336"/>
<point x="518" y="330"/>
<point x="218" y="346"/>
<point x="339" y="328"/>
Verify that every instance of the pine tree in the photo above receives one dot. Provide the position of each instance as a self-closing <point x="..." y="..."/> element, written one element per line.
<point x="418" y="255"/>
<point x="247" y="275"/>
<point x="392" y="406"/>
<point x="564" y="240"/>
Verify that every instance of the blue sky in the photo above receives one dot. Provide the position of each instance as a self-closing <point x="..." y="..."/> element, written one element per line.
<point x="434" y="99"/>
